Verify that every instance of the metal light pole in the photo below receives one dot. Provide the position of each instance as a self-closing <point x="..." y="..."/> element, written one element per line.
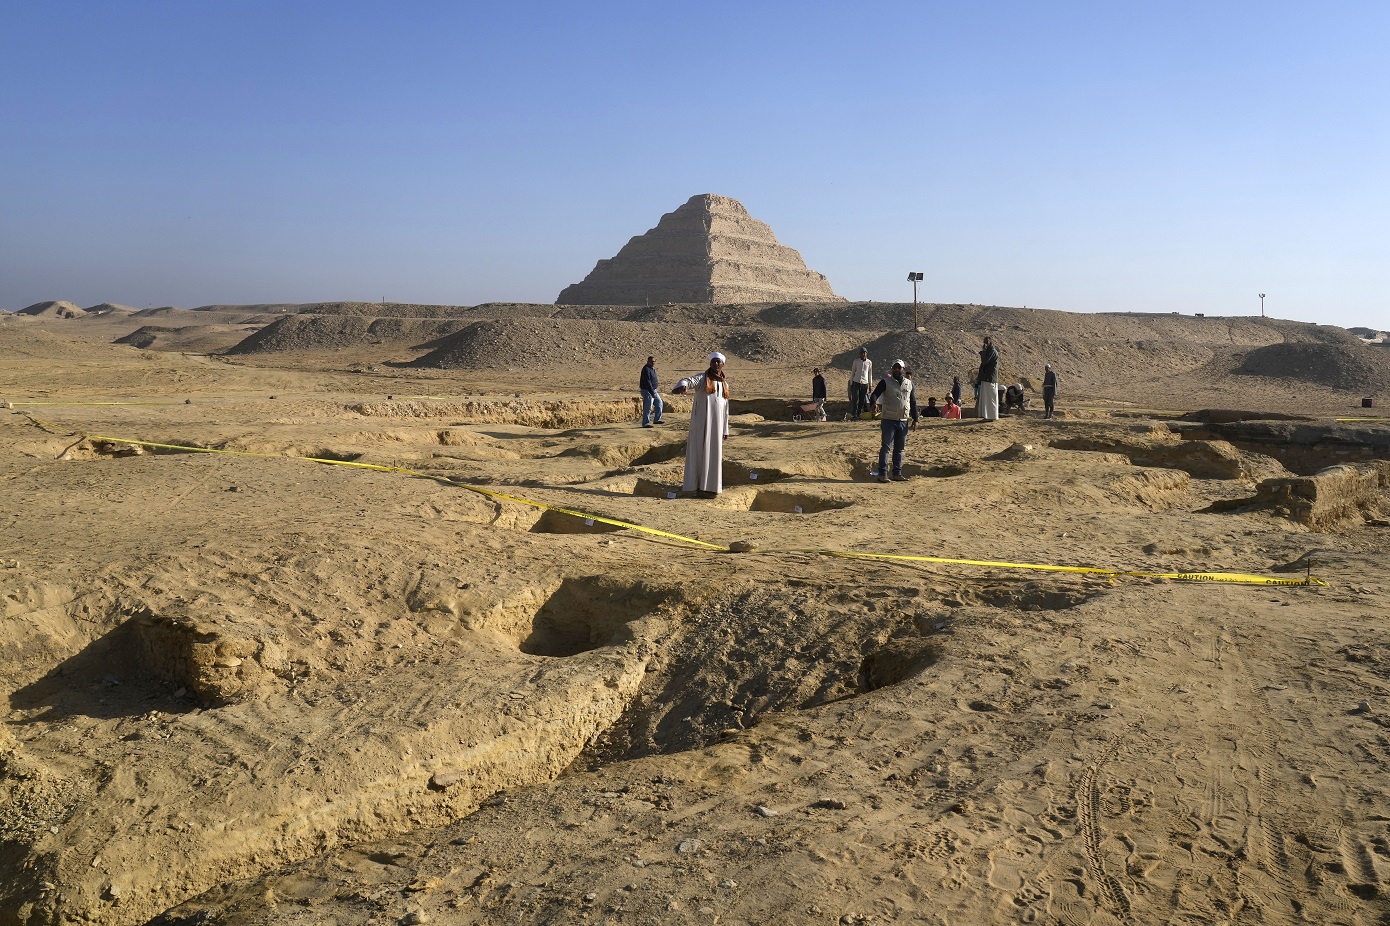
<point x="914" y="278"/>
<point x="1262" y="305"/>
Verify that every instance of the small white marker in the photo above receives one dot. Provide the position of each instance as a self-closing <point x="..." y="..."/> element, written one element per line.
<point x="670" y="494"/>
<point x="797" y="509"/>
<point x="588" y="522"/>
<point x="753" y="476"/>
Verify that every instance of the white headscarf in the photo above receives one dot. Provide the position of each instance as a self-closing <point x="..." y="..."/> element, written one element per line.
<point x="717" y="356"/>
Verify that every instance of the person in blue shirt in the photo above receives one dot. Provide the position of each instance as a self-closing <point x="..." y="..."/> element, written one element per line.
<point x="651" y="396"/>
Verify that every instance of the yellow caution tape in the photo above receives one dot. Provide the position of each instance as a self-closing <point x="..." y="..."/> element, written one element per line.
<point x="1230" y="577"/>
<point x="45" y="426"/>
<point x="1234" y="577"/>
<point x="592" y="517"/>
<point x="380" y="468"/>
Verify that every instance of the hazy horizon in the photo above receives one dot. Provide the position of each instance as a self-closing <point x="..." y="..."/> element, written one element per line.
<point x="1079" y="156"/>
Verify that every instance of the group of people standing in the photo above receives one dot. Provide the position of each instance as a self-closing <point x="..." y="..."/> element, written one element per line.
<point x="987" y="391"/>
<point x="894" y="397"/>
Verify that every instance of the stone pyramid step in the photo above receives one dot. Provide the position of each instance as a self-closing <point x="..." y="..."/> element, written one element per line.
<point x="708" y="250"/>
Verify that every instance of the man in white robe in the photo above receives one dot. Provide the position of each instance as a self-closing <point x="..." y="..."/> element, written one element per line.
<point x="987" y="383"/>
<point x="709" y="428"/>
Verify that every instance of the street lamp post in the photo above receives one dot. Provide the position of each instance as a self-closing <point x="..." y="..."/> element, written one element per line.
<point x="1262" y="305"/>
<point x="914" y="278"/>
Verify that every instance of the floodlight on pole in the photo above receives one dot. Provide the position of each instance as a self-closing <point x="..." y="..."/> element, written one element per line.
<point x="914" y="278"/>
<point x="1262" y="305"/>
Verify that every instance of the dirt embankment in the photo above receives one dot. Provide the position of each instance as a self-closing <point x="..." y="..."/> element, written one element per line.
<point x="1151" y="355"/>
<point x="540" y="342"/>
<point x="1087" y="350"/>
<point x="339" y="332"/>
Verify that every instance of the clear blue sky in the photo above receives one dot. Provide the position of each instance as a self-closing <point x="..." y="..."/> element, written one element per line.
<point x="1132" y="156"/>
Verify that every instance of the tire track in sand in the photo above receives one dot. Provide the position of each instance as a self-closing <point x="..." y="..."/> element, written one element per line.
<point x="1088" y="811"/>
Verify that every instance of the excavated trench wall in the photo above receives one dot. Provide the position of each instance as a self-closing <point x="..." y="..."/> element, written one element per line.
<point x="1328" y="497"/>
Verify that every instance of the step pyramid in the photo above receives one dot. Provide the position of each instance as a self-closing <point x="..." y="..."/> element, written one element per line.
<point x="708" y="250"/>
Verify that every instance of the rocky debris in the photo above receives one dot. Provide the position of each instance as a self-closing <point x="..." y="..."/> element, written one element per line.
<point x="218" y="658"/>
<point x="1324" y="499"/>
<point x="708" y="250"/>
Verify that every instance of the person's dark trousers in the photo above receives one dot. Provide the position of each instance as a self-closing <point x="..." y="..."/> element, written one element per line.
<point x="858" y="399"/>
<point x="894" y="435"/>
<point x="1049" y="399"/>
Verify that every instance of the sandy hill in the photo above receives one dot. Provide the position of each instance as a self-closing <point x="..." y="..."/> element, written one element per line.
<point x="202" y="339"/>
<point x="338" y="332"/>
<point x="209" y="315"/>
<point x="1112" y="349"/>
<point x="110" y="308"/>
<point x="547" y="341"/>
<point x="53" y="309"/>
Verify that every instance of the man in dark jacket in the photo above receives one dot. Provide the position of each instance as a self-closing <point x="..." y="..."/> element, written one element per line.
<point x="651" y="397"/>
<point x="987" y="381"/>
<point x="1049" y="390"/>
<point x="818" y="393"/>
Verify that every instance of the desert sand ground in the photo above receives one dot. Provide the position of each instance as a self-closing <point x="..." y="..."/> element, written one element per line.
<point x="245" y="688"/>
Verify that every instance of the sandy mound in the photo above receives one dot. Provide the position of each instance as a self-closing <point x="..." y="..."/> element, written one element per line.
<point x="53" y="309"/>
<point x="379" y="309"/>
<point x="1349" y="365"/>
<point x="527" y="341"/>
<point x="338" y="332"/>
<point x="146" y="336"/>
<point x="1114" y="350"/>
<point x="110" y="308"/>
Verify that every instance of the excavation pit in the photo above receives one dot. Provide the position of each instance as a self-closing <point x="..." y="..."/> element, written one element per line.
<point x="742" y="474"/>
<point x="650" y="488"/>
<point x="661" y="453"/>
<point x="896" y="661"/>
<point x="763" y="651"/>
<point x="1025" y="596"/>
<point x="794" y="503"/>
<point x="589" y="613"/>
<point x="558" y="522"/>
